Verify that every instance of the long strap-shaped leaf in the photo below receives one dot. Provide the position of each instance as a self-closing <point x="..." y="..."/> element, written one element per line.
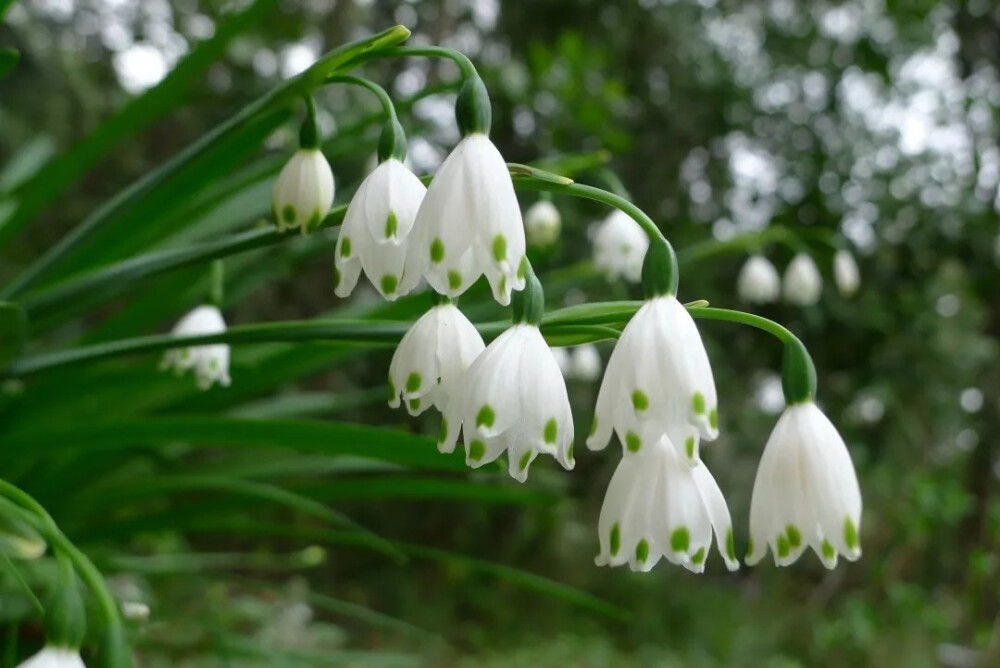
<point x="332" y="438"/>
<point x="335" y="61"/>
<point x="65" y="169"/>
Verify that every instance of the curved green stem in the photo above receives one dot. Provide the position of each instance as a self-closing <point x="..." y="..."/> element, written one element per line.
<point x="460" y="59"/>
<point x="338" y="60"/>
<point x="114" y="629"/>
<point x="798" y="374"/>
<point x="360" y="332"/>
<point x="378" y="91"/>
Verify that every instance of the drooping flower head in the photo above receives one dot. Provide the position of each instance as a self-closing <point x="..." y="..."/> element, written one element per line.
<point x="303" y="192"/>
<point x="806" y="492"/>
<point x="542" y="223"/>
<point x="846" y="274"/>
<point x="659" y="505"/>
<point x="429" y="365"/>
<point x="585" y="363"/>
<point x="758" y="282"/>
<point x="619" y="247"/>
<point x="515" y="396"/>
<point x="658" y="381"/>
<point x="469" y="223"/>
<point x="376" y="230"/>
<point x="210" y="362"/>
<point x="803" y="284"/>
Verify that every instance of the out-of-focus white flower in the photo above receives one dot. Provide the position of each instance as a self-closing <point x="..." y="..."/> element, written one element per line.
<point x="210" y="362"/>
<point x="429" y="366"/>
<point x="758" y="282"/>
<point x="620" y="246"/>
<point x="585" y="363"/>
<point x="542" y="223"/>
<point x="806" y="492"/>
<point x="659" y="505"/>
<point x="846" y="274"/>
<point x="803" y="284"/>
<point x="376" y="229"/>
<point x="135" y="610"/>
<point x="303" y="193"/>
<point x="516" y="400"/>
<point x="54" y="657"/>
<point x="658" y="381"/>
<point x="469" y="224"/>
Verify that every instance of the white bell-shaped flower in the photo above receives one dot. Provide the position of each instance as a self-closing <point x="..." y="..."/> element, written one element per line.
<point x="659" y="505"/>
<point x="303" y="193"/>
<point x="429" y="366"/>
<point x="658" y="381"/>
<point x="516" y="400"/>
<point x="585" y="363"/>
<point x="846" y="274"/>
<point x="620" y="246"/>
<point x="469" y="224"/>
<point x="54" y="657"/>
<point x="376" y="230"/>
<point x="209" y="362"/>
<point x="806" y="492"/>
<point x="758" y="282"/>
<point x="542" y="223"/>
<point x="803" y="284"/>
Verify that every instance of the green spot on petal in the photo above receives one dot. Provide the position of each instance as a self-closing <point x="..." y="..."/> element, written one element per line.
<point x="680" y="540"/>
<point x="828" y="552"/>
<point x="569" y="453"/>
<point x="415" y="404"/>
<point x="503" y="285"/>
<point x="689" y="447"/>
<point x="476" y="450"/>
<point x="698" y="401"/>
<point x="391" y="225"/>
<point x="640" y="401"/>
<point x="499" y="248"/>
<point x="336" y="277"/>
<point x="345" y="247"/>
<point x="551" y="431"/>
<point x="485" y="417"/>
<point x="389" y="284"/>
<point x="794" y="535"/>
<point x="731" y="546"/>
<point x="749" y="545"/>
<point x="525" y="460"/>
<point x="288" y="213"/>
<point x="413" y="382"/>
<point x="642" y="551"/>
<point x="713" y="418"/>
<point x="454" y="280"/>
<point x="632" y="441"/>
<point x="783" y="547"/>
<point x="437" y="251"/>
<point x="444" y="430"/>
<point x="851" y="534"/>
<point x="593" y="426"/>
<point x="616" y="539"/>
<point x="522" y="268"/>
<point x="699" y="556"/>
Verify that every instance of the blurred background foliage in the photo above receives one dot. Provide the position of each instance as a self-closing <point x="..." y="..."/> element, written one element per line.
<point x="730" y="122"/>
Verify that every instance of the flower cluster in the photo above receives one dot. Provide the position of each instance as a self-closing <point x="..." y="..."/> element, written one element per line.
<point x="657" y="394"/>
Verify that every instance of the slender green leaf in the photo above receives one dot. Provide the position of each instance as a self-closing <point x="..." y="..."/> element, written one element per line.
<point x="155" y="103"/>
<point x="330" y="438"/>
<point x="333" y="61"/>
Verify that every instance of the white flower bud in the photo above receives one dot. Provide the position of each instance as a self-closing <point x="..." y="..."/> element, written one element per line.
<point x="542" y="223"/>
<point x="803" y="284"/>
